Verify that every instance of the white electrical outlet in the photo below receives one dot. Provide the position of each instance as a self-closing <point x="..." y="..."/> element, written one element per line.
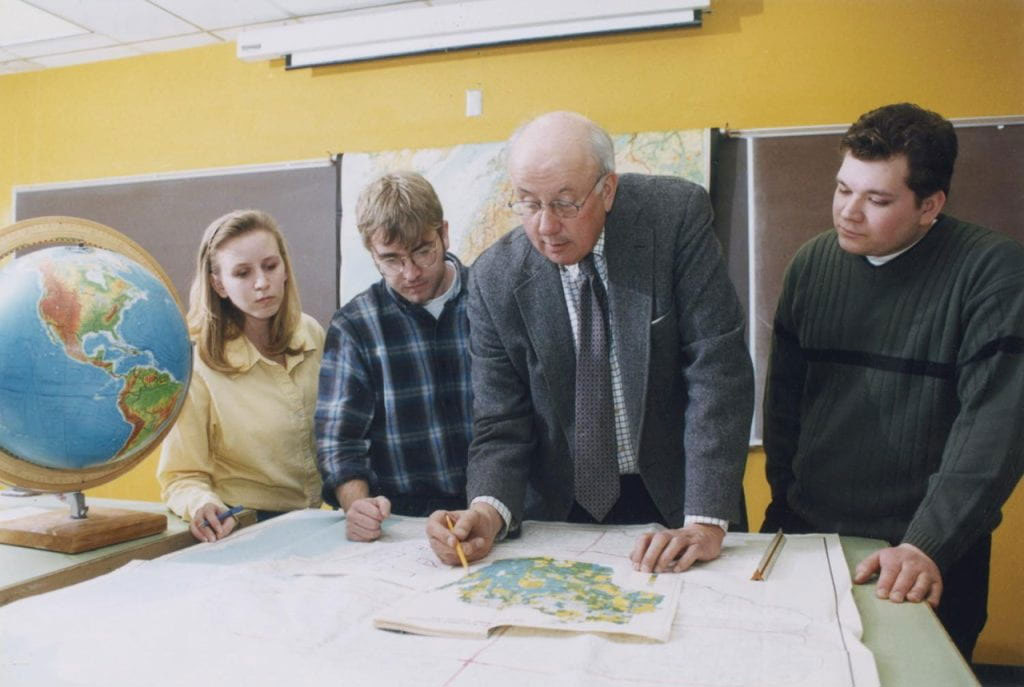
<point x="474" y="102"/>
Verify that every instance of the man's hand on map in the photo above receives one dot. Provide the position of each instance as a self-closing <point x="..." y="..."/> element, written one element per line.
<point x="363" y="513"/>
<point x="677" y="550"/>
<point x="476" y="529"/>
<point x="904" y="572"/>
<point x="364" y="516"/>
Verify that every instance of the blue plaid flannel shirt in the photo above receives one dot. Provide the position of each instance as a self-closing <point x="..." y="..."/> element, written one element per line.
<point x="395" y="405"/>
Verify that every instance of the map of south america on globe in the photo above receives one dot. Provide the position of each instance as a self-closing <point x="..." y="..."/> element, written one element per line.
<point x="543" y="592"/>
<point x="95" y="357"/>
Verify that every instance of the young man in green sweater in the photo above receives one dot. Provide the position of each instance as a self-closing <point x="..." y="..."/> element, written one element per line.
<point x="895" y="387"/>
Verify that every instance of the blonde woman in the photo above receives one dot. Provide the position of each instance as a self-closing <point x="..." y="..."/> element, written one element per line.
<point x="245" y="433"/>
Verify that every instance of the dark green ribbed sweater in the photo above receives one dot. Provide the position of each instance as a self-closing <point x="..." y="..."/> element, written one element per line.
<point x="894" y="405"/>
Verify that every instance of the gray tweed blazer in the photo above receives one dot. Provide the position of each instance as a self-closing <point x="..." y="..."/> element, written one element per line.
<point x="685" y="366"/>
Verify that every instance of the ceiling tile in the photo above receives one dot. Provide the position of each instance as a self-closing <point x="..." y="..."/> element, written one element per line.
<point x="21" y="23"/>
<point x="223" y="13"/>
<point x="122" y="20"/>
<point x="231" y="34"/>
<point x="192" y="40"/>
<point x="83" y="42"/>
<point x="84" y="56"/>
<point x="162" y="25"/>
<point x="304" y="7"/>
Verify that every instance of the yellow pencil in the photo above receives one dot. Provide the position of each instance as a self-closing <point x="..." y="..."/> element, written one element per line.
<point x="458" y="544"/>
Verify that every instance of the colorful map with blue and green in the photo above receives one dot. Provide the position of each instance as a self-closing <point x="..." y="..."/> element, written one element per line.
<point x="94" y="357"/>
<point x="573" y="591"/>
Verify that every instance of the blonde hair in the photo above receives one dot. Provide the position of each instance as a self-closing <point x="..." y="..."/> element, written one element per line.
<point x="399" y="206"/>
<point x="213" y="320"/>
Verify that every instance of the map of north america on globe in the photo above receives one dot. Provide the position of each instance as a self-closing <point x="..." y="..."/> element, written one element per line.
<point x="96" y="357"/>
<point x="573" y="591"/>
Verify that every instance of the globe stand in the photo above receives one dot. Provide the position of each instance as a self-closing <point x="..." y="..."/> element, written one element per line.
<point x="81" y="529"/>
<point x="78" y="508"/>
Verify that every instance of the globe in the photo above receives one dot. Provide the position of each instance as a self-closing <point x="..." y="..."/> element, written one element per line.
<point x="95" y="358"/>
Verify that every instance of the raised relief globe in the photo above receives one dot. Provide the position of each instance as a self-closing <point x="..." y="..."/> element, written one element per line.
<point x="95" y="358"/>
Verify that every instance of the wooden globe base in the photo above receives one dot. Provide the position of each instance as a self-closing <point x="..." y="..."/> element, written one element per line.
<point x="58" y="531"/>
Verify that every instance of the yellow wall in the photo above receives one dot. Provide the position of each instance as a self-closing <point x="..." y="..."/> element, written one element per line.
<point x="754" y="63"/>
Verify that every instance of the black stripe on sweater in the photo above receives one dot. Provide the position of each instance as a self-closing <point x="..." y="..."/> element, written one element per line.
<point x="1013" y="345"/>
<point x="910" y="366"/>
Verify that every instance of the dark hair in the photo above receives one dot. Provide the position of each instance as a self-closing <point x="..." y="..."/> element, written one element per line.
<point x="926" y="138"/>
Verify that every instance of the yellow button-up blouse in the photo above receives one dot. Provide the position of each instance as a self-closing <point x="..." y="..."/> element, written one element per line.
<point x="246" y="438"/>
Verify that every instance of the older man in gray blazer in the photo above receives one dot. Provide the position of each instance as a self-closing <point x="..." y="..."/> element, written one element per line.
<point x="681" y="392"/>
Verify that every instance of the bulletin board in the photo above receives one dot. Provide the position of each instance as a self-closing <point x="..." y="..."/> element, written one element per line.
<point x="167" y="214"/>
<point x="774" y="192"/>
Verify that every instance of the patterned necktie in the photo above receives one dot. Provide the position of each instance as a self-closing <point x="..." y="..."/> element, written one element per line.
<point x="596" y="466"/>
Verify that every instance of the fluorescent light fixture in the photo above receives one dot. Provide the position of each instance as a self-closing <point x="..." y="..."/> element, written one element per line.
<point x="400" y="30"/>
<point x="23" y="23"/>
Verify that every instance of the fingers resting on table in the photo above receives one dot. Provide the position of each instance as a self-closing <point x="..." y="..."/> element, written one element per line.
<point x="677" y="550"/>
<point x="905" y="572"/>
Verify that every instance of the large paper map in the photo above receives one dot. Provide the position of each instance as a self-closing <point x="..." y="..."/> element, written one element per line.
<point x="471" y="182"/>
<point x="290" y="601"/>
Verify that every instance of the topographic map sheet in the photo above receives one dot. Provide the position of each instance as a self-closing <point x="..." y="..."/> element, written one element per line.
<point x="289" y="601"/>
<point x="597" y="595"/>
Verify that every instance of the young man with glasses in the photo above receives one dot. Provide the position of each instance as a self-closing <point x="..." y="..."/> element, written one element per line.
<point x="611" y="378"/>
<point x="393" y="419"/>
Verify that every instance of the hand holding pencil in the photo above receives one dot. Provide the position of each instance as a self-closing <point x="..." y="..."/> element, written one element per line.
<point x="461" y="537"/>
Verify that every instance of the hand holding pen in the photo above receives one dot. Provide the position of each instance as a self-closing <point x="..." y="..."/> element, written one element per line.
<point x="212" y="522"/>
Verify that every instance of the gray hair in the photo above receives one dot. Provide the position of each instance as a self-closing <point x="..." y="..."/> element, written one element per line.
<point x="603" y="149"/>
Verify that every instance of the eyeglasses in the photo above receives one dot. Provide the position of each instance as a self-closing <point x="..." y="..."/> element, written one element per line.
<point x="565" y="209"/>
<point x="423" y="257"/>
